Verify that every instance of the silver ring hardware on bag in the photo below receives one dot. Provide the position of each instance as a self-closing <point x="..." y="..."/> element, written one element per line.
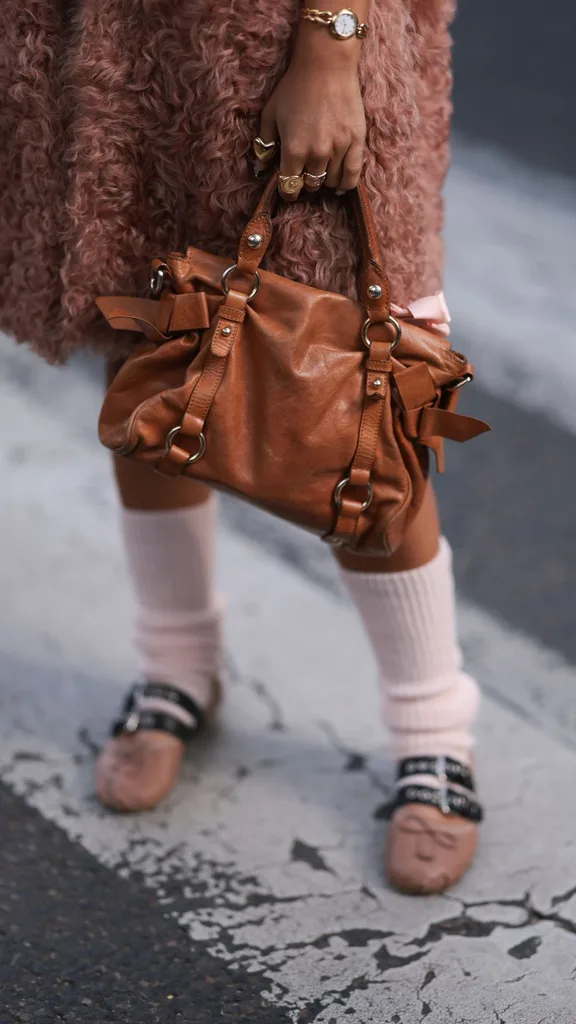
<point x="460" y="383"/>
<point x="344" y="483"/>
<point x="193" y="458"/>
<point x="255" y="288"/>
<point x="158" y="277"/>
<point x="391" y="320"/>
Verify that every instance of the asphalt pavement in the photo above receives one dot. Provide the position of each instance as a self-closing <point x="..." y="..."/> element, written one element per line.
<point x="255" y="894"/>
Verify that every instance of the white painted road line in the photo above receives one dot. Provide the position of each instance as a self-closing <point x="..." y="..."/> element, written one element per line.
<point x="271" y="840"/>
<point x="510" y="279"/>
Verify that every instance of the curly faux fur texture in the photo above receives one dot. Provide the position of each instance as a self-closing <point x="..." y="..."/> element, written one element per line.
<point x="129" y="129"/>
<point x="32" y="186"/>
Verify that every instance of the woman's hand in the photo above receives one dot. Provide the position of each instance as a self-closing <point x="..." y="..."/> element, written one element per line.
<point x="317" y="112"/>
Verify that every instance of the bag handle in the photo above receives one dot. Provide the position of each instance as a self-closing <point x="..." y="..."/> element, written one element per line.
<point x="374" y="287"/>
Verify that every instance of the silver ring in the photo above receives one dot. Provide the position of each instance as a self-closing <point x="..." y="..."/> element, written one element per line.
<point x="344" y="483"/>
<point x="391" y="320"/>
<point x="193" y="458"/>
<point x="460" y="383"/>
<point x="230" y="270"/>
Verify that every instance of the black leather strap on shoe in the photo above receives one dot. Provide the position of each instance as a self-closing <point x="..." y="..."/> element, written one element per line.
<point x="450" y="801"/>
<point x="454" y="770"/>
<point x="444" y="797"/>
<point x="135" y="718"/>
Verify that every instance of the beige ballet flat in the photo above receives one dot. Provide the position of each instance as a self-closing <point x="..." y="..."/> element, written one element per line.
<point x="140" y="763"/>
<point x="433" y="832"/>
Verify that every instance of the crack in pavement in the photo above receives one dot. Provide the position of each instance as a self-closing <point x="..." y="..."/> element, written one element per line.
<point x="338" y="997"/>
<point x="353" y="760"/>
<point x="468" y="927"/>
<point x="425" y="1008"/>
<point x="564" y="897"/>
<point x="355" y="938"/>
<point x="277" y="723"/>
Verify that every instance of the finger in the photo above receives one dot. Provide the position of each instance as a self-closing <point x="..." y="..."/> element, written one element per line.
<point x="268" y="128"/>
<point x="268" y="135"/>
<point x="351" y="167"/>
<point x="290" y="180"/>
<point x="334" y="176"/>
<point x="316" y="170"/>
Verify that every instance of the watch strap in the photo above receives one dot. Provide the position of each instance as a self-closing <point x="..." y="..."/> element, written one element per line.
<point x="330" y="19"/>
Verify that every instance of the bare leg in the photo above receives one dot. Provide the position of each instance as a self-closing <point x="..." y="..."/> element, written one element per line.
<point x="142" y="490"/>
<point x="419" y="547"/>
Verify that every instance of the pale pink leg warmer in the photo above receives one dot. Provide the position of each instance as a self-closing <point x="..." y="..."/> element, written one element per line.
<point x="429" y="702"/>
<point x="170" y="557"/>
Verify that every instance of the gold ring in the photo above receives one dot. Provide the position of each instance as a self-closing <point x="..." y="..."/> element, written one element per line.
<point x="312" y="182"/>
<point x="265" y="151"/>
<point x="290" y="185"/>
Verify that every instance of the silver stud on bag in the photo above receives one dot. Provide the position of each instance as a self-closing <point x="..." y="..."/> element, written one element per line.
<point x="377" y="383"/>
<point x="255" y="241"/>
<point x="375" y="291"/>
<point x="226" y="331"/>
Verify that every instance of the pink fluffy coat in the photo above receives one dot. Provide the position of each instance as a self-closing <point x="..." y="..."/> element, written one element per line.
<point x="125" y="130"/>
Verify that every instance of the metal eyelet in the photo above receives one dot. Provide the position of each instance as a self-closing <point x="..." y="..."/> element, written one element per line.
<point x="231" y="270"/>
<point x="193" y="458"/>
<point x="391" y="320"/>
<point x="344" y="483"/>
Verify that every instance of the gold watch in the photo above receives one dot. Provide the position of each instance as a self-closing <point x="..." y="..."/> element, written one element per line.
<point x="343" y="24"/>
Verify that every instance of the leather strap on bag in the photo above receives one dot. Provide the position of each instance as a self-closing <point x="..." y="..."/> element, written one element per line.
<point x="226" y="331"/>
<point x="374" y="291"/>
<point x="429" y="415"/>
<point x="372" y="272"/>
<point x="157" y="318"/>
<point x="350" y="507"/>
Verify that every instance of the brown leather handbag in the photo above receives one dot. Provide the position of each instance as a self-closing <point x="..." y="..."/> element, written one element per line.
<point x="313" y="406"/>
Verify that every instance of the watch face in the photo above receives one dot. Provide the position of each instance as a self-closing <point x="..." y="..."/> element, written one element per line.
<point x="345" y="24"/>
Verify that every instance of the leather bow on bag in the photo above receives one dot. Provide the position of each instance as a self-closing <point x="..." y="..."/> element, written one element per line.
<point x="313" y="406"/>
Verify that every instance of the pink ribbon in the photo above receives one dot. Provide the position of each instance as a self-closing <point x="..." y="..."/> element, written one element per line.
<point x="431" y="312"/>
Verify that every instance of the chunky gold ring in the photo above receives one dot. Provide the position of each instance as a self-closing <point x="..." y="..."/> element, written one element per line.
<point x="290" y="185"/>
<point x="312" y="182"/>
<point x="265" y="151"/>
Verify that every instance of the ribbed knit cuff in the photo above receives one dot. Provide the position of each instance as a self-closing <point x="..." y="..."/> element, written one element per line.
<point x="429" y="702"/>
